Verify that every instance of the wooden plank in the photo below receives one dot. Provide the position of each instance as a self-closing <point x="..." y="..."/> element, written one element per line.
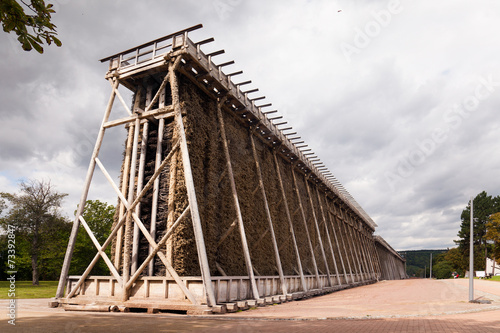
<point x="124" y="180"/>
<point x="328" y="237"/>
<point x="304" y="219"/>
<point x="156" y="189"/>
<point x="195" y="215"/>
<point x="322" y="249"/>
<point x="103" y="254"/>
<point x="244" y="244"/>
<point x="289" y="218"/>
<point x="83" y="198"/>
<point x="171" y="202"/>
<point x="228" y="232"/>
<point x="128" y="219"/>
<point x="335" y="221"/>
<point x="140" y="180"/>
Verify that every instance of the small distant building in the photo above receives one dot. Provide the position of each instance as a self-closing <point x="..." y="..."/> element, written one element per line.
<point x="492" y="267"/>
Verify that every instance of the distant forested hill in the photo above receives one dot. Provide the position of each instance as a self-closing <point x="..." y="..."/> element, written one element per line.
<point x="418" y="260"/>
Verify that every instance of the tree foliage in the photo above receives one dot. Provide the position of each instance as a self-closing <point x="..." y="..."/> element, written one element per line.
<point x="484" y="206"/>
<point x="34" y="213"/>
<point x="99" y="216"/>
<point x="32" y="28"/>
<point x="493" y="234"/>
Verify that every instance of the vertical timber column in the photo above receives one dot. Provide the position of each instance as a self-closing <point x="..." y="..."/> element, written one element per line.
<point x="353" y="230"/>
<point x="343" y="237"/>
<point x="367" y="252"/>
<point x="83" y="198"/>
<point x="296" y="186"/>
<point x="156" y="189"/>
<point x="353" y="243"/>
<point x="328" y="237"/>
<point x="188" y="176"/>
<point x="318" y="232"/>
<point x="332" y="224"/>
<point x="128" y="221"/>
<point x="269" y="219"/>
<point x="140" y="180"/>
<point x="289" y="218"/>
<point x="362" y="248"/>
<point x="246" y="251"/>
<point x="126" y="170"/>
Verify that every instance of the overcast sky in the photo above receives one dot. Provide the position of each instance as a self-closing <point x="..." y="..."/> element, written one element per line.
<point x="400" y="99"/>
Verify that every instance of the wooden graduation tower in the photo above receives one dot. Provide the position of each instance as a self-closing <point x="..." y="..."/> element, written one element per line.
<point x="219" y="209"/>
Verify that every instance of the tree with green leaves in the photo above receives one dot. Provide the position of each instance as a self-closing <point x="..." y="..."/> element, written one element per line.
<point x="31" y="21"/>
<point x="493" y="235"/>
<point x="99" y="216"/>
<point x="34" y="214"/>
<point x="484" y="206"/>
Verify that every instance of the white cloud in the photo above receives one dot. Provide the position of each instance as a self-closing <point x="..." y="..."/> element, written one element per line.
<point x="365" y="116"/>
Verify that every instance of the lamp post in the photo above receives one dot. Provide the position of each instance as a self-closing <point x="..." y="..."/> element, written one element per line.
<point x="471" y="253"/>
<point x="430" y="274"/>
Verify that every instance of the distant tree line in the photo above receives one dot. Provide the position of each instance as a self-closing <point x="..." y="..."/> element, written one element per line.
<point x="42" y="233"/>
<point x="486" y="243"/>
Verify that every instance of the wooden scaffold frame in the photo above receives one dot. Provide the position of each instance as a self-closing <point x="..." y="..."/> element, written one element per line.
<point x="343" y="254"/>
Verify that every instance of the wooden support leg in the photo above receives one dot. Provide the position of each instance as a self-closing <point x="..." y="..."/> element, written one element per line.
<point x="318" y="232"/>
<point x="125" y="177"/>
<point x="128" y="221"/>
<point x="337" y="243"/>
<point x="269" y="219"/>
<point x="156" y="189"/>
<point x="289" y="218"/>
<point x="329" y="241"/>
<point x="171" y="203"/>
<point x="140" y="179"/>
<point x="246" y="252"/>
<point x="342" y="238"/>
<point x="83" y="198"/>
<point x="316" y="273"/>
<point x="188" y="176"/>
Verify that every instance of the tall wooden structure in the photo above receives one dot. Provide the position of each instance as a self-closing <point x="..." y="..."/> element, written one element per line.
<point x="219" y="207"/>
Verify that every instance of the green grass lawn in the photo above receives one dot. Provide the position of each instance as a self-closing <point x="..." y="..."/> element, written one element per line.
<point x="24" y="289"/>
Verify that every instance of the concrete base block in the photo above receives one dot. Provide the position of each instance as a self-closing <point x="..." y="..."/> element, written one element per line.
<point x="269" y="300"/>
<point x="251" y="303"/>
<point x="231" y="307"/>
<point x="242" y="305"/>
<point x="261" y="302"/>
<point x="276" y="300"/>
<point x="219" y="308"/>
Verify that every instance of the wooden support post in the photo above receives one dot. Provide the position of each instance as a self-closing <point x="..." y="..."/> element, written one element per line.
<point x="246" y="252"/>
<point x="316" y="273"/>
<point x="364" y="249"/>
<point x="128" y="221"/>
<point x="362" y="256"/>
<point x="156" y="189"/>
<point x="188" y="176"/>
<point x="336" y="241"/>
<point x="140" y="180"/>
<point x="350" y="240"/>
<point x="328" y="236"/>
<point x="124" y="187"/>
<point x="342" y="238"/>
<point x="171" y="203"/>
<point x="318" y="232"/>
<point x="83" y="198"/>
<point x="269" y="218"/>
<point x="368" y="253"/>
<point x="289" y="218"/>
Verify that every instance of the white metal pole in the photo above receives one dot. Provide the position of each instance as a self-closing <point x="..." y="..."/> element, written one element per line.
<point x="430" y="274"/>
<point x="471" y="252"/>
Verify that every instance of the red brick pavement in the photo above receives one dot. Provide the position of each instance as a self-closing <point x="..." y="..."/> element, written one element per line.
<point x="403" y="307"/>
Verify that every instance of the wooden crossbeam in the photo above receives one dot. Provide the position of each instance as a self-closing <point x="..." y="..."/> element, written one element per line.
<point x="103" y="254"/>
<point x="228" y="232"/>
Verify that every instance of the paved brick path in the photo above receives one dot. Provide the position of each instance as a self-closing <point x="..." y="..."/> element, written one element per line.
<point x="389" y="306"/>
